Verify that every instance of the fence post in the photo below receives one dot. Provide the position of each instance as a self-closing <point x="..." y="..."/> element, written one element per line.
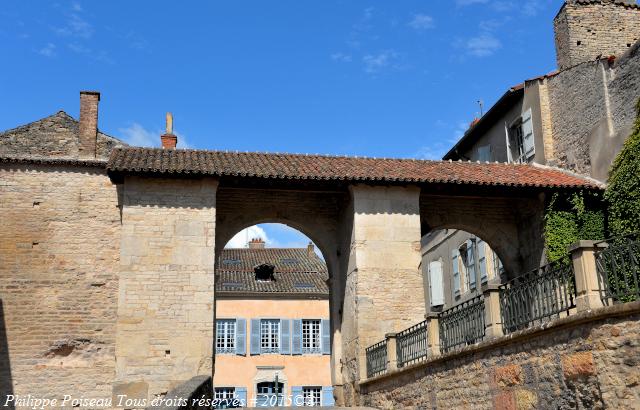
<point x="584" y="267"/>
<point x="392" y="351"/>
<point x="433" y="334"/>
<point x="492" y="316"/>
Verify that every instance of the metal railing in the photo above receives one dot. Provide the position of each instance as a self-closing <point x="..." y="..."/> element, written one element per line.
<point x="537" y="296"/>
<point x="618" y="266"/>
<point x="462" y="324"/>
<point x="377" y="359"/>
<point x="412" y="344"/>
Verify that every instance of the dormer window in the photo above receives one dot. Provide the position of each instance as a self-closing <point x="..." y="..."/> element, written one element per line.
<point x="264" y="272"/>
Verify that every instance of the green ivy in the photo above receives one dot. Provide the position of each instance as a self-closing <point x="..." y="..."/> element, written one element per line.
<point x="570" y="217"/>
<point x="623" y="191"/>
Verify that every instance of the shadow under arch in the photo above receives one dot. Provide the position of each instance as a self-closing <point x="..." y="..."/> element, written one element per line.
<point x="501" y="244"/>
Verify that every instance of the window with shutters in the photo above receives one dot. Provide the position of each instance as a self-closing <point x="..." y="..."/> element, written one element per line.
<point x="498" y="269"/>
<point x="521" y="139"/>
<point x="311" y="338"/>
<point x="467" y="250"/>
<point x="481" y="247"/>
<point x="225" y="336"/>
<point x="312" y="396"/>
<point x="484" y="153"/>
<point x="270" y="336"/>
<point x="224" y="397"/>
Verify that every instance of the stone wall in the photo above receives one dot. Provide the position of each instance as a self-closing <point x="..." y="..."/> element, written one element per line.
<point x="585" y="30"/>
<point x="592" y="110"/>
<point x="54" y="136"/>
<point x="59" y="252"/>
<point x="166" y="288"/>
<point x="384" y="264"/>
<point x="587" y="361"/>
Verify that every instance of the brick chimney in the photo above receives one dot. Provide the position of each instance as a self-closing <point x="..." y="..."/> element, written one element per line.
<point x="169" y="139"/>
<point x="256" y="243"/>
<point x="88" y="133"/>
<point x="310" y="249"/>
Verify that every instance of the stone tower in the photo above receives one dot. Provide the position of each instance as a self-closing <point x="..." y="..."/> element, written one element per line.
<point x="586" y="29"/>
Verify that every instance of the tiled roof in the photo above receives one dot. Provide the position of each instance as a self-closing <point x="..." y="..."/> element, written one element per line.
<point x="296" y="271"/>
<point x="322" y="167"/>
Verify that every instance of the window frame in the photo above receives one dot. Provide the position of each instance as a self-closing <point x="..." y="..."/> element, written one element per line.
<point x="270" y="340"/>
<point x="222" y="398"/>
<point x="227" y="348"/>
<point x="317" y="349"/>
<point x="313" y="391"/>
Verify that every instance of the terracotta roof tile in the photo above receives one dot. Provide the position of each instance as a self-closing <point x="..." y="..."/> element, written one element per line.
<point x="354" y="169"/>
<point x="295" y="271"/>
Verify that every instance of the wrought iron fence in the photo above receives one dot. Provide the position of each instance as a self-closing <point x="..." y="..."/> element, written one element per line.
<point x="412" y="344"/>
<point x="618" y="267"/>
<point x="537" y="296"/>
<point x="377" y="359"/>
<point x="462" y="324"/>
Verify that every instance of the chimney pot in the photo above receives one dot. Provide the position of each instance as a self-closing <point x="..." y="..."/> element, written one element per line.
<point x="88" y="127"/>
<point x="256" y="243"/>
<point x="310" y="249"/>
<point x="169" y="139"/>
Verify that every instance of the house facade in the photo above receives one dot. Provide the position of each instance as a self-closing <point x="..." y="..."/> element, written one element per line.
<point x="272" y="327"/>
<point x="576" y="117"/>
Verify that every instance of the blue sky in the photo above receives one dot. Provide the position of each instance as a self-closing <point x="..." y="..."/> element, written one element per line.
<point x="374" y="78"/>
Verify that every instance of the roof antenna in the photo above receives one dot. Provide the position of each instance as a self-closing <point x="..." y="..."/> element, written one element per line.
<point x="481" y="104"/>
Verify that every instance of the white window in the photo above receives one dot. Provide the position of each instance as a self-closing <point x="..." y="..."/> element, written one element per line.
<point x="225" y="336"/>
<point x="311" y="341"/>
<point x="436" y="285"/>
<point x="224" y="397"/>
<point x="311" y="396"/>
<point x="270" y="335"/>
<point x="521" y="140"/>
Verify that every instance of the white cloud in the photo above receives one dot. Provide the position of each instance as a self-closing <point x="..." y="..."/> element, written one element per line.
<point x="75" y="26"/>
<point x="48" y="51"/>
<point x="483" y="45"/>
<point x="432" y="152"/>
<point x="240" y="239"/>
<point x="421" y="22"/>
<point x="345" y="58"/>
<point x="375" y="63"/>
<point x="138" y="136"/>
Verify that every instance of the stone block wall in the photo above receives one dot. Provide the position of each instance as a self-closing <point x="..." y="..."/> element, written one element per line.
<point x="166" y="292"/>
<point x="592" y="110"/>
<point x="383" y="265"/>
<point x="59" y="254"/>
<point x="585" y="30"/>
<point x="588" y="361"/>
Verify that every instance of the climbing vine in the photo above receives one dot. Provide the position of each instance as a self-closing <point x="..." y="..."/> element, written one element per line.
<point x="569" y="218"/>
<point x="623" y="190"/>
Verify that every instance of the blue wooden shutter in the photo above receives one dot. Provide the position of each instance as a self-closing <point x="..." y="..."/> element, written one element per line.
<point x="285" y="336"/>
<point x="241" y="395"/>
<point x="456" y="272"/>
<point x="255" y="337"/>
<point x="241" y="336"/>
<point x="297" y="398"/>
<point x="527" y="135"/>
<point x="296" y="337"/>
<point x="436" y="286"/>
<point x="482" y="261"/>
<point x="471" y="265"/>
<point x="326" y="336"/>
<point x="327" y="396"/>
